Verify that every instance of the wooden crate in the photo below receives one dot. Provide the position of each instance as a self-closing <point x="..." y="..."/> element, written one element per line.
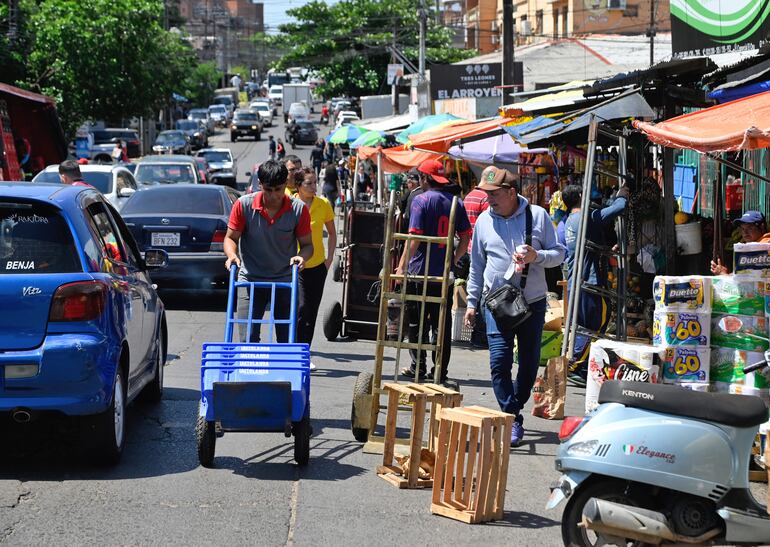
<point x="472" y="464"/>
<point x="419" y="397"/>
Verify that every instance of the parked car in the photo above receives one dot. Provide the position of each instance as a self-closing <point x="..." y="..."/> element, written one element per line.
<point x="203" y="169"/>
<point x="190" y="223"/>
<point x="227" y="102"/>
<point x="296" y="111"/>
<point x="245" y="124"/>
<point x="202" y="116"/>
<point x="263" y="110"/>
<point x="115" y="182"/>
<point x="105" y="139"/>
<point x="345" y="117"/>
<point x="305" y="133"/>
<point x="91" y="333"/>
<point x="276" y="95"/>
<point x="172" y="142"/>
<point x="195" y="132"/>
<point x="224" y="170"/>
<point x="219" y="114"/>
<point x="168" y="169"/>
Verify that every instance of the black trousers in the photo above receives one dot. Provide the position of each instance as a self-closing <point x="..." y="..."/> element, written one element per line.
<point x="430" y="327"/>
<point x="311" y="289"/>
<point x="281" y="310"/>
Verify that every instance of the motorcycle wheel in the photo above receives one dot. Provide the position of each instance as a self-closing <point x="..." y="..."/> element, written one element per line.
<point x="610" y="490"/>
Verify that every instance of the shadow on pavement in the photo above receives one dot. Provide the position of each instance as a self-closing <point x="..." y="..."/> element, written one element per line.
<point x="520" y="519"/>
<point x="347" y="357"/>
<point x="191" y="300"/>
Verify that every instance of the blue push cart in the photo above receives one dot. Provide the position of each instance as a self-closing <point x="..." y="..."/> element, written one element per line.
<point x="255" y="387"/>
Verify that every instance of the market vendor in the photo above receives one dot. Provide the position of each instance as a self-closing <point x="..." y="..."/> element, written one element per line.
<point x="593" y="310"/>
<point x="753" y="230"/>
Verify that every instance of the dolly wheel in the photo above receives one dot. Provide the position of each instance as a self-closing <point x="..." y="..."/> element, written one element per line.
<point x="361" y="390"/>
<point x="333" y="322"/>
<point x="302" y="431"/>
<point x="206" y="438"/>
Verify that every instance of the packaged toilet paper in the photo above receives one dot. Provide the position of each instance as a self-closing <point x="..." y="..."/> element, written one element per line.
<point x="687" y="293"/>
<point x="685" y="364"/>
<point x="610" y="360"/>
<point x="738" y="294"/>
<point x="674" y="328"/>
<point x="752" y="258"/>
<point x="695" y="386"/>
<point x="746" y="332"/>
<point x="737" y="389"/>
<point x="727" y="367"/>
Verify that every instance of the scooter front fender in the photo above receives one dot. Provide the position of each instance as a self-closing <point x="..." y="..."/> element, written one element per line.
<point x="564" y="487"/>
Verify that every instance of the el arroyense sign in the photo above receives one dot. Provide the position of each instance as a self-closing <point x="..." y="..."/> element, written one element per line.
<point x="476" y="80"/>
<point x="709" y="27"/>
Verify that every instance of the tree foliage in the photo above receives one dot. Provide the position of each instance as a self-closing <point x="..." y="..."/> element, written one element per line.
<point x="346" y="43"/>
<point x="104" y="59"/>
<point x="200" y="83"/>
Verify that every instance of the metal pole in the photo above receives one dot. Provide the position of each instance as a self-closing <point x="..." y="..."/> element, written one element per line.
<point x="651" y="32"/>
<point x="623" y="241"/>
<point x="379" y="191"/>
<point x="423" y="31"/>
<point x="568" y="344"/>
<point x="394" y="86"/>
<point x="507" y="44"/>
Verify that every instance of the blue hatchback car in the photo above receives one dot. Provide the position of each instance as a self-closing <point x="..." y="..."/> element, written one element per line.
<point x="83" y="331"/>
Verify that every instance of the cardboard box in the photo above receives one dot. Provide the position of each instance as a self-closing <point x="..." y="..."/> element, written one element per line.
<point x="554" y="315"/>
<point x="460" y="297"/>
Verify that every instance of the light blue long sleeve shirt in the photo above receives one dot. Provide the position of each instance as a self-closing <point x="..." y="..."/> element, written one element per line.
<point x="495" y="239"/>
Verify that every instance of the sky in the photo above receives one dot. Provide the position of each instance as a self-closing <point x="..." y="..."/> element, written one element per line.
<point x="275" y="10"/>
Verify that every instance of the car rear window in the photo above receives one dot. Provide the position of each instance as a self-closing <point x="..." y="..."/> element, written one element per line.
<point x="35" y="239"/>
<point x="216" y="156"/>
<point x="99" y="180"/>
<point x="202" y="201"/>
<point x="165" y="173"/>
<point x="245" y="116"/>
<point x="306" y="125"/>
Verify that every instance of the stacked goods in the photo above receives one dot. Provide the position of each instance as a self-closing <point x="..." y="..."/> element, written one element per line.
<point x="739" y="324"/>
<point x="682" y="329"/>
<point x="610" y="360"/>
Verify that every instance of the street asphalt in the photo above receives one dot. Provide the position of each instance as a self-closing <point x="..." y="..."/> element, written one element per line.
<point x="256" y="494"/>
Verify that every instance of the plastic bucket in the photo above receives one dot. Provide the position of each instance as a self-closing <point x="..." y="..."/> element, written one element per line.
<point x="688" y="238"/>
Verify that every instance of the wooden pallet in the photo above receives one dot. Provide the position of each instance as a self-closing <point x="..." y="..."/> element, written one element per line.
<point x="418" y="396"/>
<point x="472" y="464"/>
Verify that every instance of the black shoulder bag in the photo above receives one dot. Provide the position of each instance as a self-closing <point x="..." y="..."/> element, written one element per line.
<point x="506" y="303"/>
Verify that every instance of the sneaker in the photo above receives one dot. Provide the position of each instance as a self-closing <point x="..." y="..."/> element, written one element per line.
<point x="517" y="434"/>
<point x="409" y="372"/>
<point x="576" y="379"/>
<point x="312" y="366"/>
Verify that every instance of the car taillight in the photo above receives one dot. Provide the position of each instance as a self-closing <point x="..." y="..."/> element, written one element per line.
<point x="569" y="426"/>
<point x="80" y="301"/>
<point x="217" y="241"/>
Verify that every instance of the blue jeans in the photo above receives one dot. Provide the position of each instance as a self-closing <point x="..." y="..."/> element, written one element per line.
<point x="511" y="394"/>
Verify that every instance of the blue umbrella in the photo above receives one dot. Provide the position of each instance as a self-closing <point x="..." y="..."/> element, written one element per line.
<point x="370" y="138"/>
<point x="346" y="134"/>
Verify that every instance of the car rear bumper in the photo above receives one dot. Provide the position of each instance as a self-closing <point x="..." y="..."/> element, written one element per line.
<point x="193" y="270"/>
<point x="248" y="132"/>
<point x="75" y="375"/>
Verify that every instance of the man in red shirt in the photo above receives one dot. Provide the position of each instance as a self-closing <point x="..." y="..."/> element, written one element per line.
<point x="476" y="202"/>
<point x="267" y="227"/>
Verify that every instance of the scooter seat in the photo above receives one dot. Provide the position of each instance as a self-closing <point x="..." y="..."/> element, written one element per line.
<point x="721" y="408"/>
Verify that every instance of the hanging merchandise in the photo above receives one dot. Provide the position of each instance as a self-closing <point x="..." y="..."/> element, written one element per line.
<point x="733" y="195"/>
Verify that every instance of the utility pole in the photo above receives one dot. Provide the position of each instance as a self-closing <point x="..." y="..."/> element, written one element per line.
<point x="423" y="31"/>
<point x="507" y="45"/>
<point x="394" y="86"/>
<point x="651" y="32"/>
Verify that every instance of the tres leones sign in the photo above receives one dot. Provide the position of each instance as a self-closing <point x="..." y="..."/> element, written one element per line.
<point x="469" y="81"/>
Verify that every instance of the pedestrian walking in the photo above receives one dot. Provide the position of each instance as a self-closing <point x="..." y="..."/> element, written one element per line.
<point x="293" y="164"/>
<point x="313" y="276"/>
<point x="331" y="185"/>
<point x="280" y="150"/>
<point x="317" y="157"/>
<point x="271" y="147"/>
<point x="498" y="250"/>
<point x="264" y="233"/>
<point x="430" y="217"/>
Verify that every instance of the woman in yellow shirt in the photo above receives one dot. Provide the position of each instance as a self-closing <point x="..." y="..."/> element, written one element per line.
<point x="313" y="276"/>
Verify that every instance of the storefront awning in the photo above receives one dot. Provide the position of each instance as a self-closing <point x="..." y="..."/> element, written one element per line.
<point x="386" y="123"/>
<point x="394" y="160"/>
<point x="492" y="150"/>
<point x="743" y="124"/>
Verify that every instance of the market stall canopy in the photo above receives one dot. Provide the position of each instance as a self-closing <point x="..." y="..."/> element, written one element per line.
<point x="386" y="123"/>
<point x="428" y="123"/>
<point x="440" y="140"/>
<point x="369" y="138"/>
<point x="394" y="160"/>
<point x="346" y="134"/>
<point x="497" y="149"/>
<point x="34" y="119"/>
<point x="559" y="97"/>
<point x="743" y="124"/>
<point x="631" y="105"/>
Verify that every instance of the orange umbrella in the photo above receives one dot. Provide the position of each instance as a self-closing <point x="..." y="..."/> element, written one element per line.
<point x="441" y="139"/>
<point x="395" y="160"/>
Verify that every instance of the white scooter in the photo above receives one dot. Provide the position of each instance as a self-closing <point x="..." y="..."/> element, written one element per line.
<point x="659" y="464"/>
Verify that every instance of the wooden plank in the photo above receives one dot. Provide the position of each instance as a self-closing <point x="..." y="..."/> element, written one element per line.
<point x="459" y="415"/>
<point x="418" y="423"/>
<point x="405" y="389"/>
<point x="390" y="427"/>
<point x="506" y="451"/>
<point x="483" y="411"/>
<point x="473" y="444"/>
<point x="462" y="516"/>
<point x="482" y="481"/>
<point x="441" y="452"/>
<point x="412" y="297"/>
<point x="385" y="469"/>
<point x="450" y="461"/>
<point x="494" y="477"/>
<point x="462" y="451"/>
<point x="406" y="345"/>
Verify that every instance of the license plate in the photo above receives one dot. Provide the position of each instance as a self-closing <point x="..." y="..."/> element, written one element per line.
<point x="166" y="239"/>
